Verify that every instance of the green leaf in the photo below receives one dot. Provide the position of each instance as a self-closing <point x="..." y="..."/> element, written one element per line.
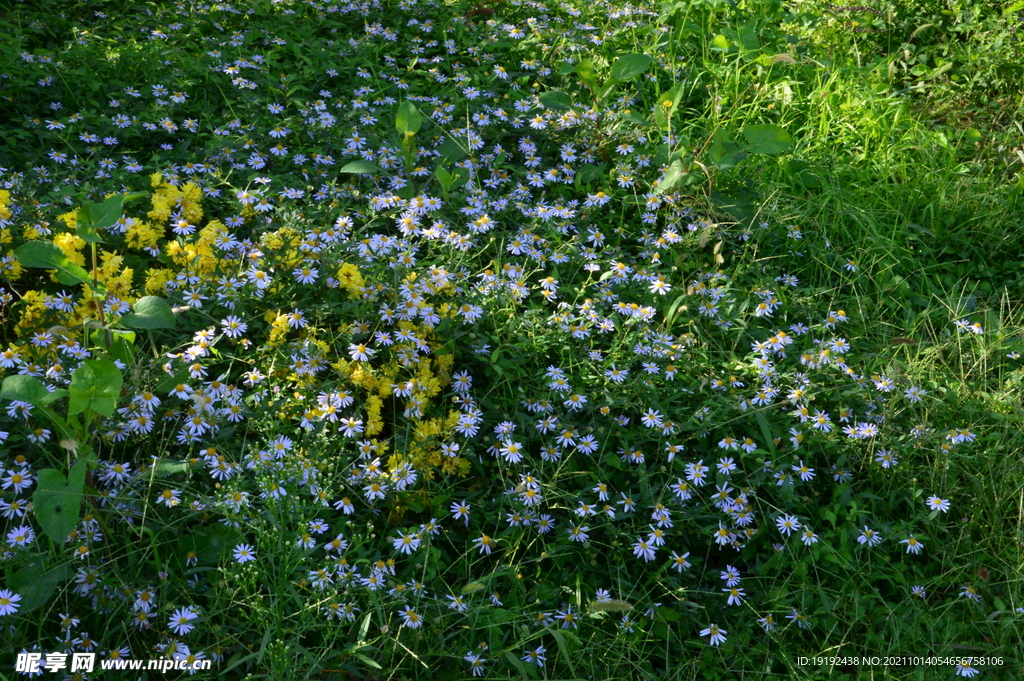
<point x="766" y="431"/>
<point x="47" y="255"/>
<point x="150" y="312"/>
<point x="23" y="388"/>
<point x="408" y="119"/>
<point x="444" y="178"/>
<point x="587" y="73"/>
<point x="361" y="167"/>
<point x="53" y="397"/>
<point x="57" y="501"/>
<point x="723" y="152"/>
<point x="565" y="650"/>
<point x="518" y="664"/>
<point x="635" y="118"/>
<point x="591" y="173"/>
<point x="123" y="347"/>
<point x="556" y="99"/>
<point x="102" y="215"/>
<point x="767" y="139"/>
<point x="35" y="584"/>
<point x="451" y="151"/>
<point x="748" y="37"/>
<point x="629" y="66"/>
<point x="673" y="175"/>
<point x="96" y="384"/>
<point x="166" y="467"/>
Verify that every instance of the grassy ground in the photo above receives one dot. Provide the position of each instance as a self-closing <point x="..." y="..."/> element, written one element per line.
<point x="514" y="339"/>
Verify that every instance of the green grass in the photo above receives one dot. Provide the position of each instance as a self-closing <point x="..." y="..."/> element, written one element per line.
<point x="785" y="167"/>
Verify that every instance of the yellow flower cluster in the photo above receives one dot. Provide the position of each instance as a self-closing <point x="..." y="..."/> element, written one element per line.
<point x="5" y="201"/>
<point x="10" y="268"/>
<point x="71" y="246"/>
<point x="110" y="274"/>
<point x="198" y="256"/>
<point x="34" y="312"/>
<point x="156" y="279"/>
<point x="374" y="423"/>
<point x="143" y="234"/>
<point x="278" y="328"/>
<point x="351" y="279"/>
<point x="167" y="197"/>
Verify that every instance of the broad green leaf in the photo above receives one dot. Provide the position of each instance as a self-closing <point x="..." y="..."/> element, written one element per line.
<point x="556" y="99"/>
<point x="23" y="388"/>
<point x="102" y="215"/>
<point x="53" y="397"/>
<point x="170" y="382"/>
<point x="123" y="347"/>
<point x="361" y="167"/>
<point x="211" y="543"/>
<point x="150" y="312"/>
<point x="444" y="178"/>
<point x="673" y="175"/>
<point x="748" y="37"/>
<point x="591" y="173"/>
<point x="47" y="255"/>
<point x="57" y="501"/>
<point x="720" y="42"/>
<point x="587" y="73"/>
<point x="630" y="66"/>
<point x="35" y="583"/>
<point x="723" y="152"/>
<point x="635" y="118"/>
<point x="408" y="119"/>
<point x="166" y="467"/>
<point x="451" y="151"/>
<point x="461" y="177"/>
<point x="767" y="139"/>
<point x="95" y="384"/>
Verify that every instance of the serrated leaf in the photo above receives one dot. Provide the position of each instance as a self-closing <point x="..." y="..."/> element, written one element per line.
<point x="629" y="66"/>
<point x="767" y="139"/>
<point x="23" y="388"/>
<point x="408" y="118"/>
<point x="150" y="312"/>
<point x="46" y="255"/>
<point x="361" y="167"/>
<point x="96" y="384"/>
<point x="556" y="100"/>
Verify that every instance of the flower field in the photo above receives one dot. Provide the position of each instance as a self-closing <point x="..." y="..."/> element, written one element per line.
<point x="509" y="339"/>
